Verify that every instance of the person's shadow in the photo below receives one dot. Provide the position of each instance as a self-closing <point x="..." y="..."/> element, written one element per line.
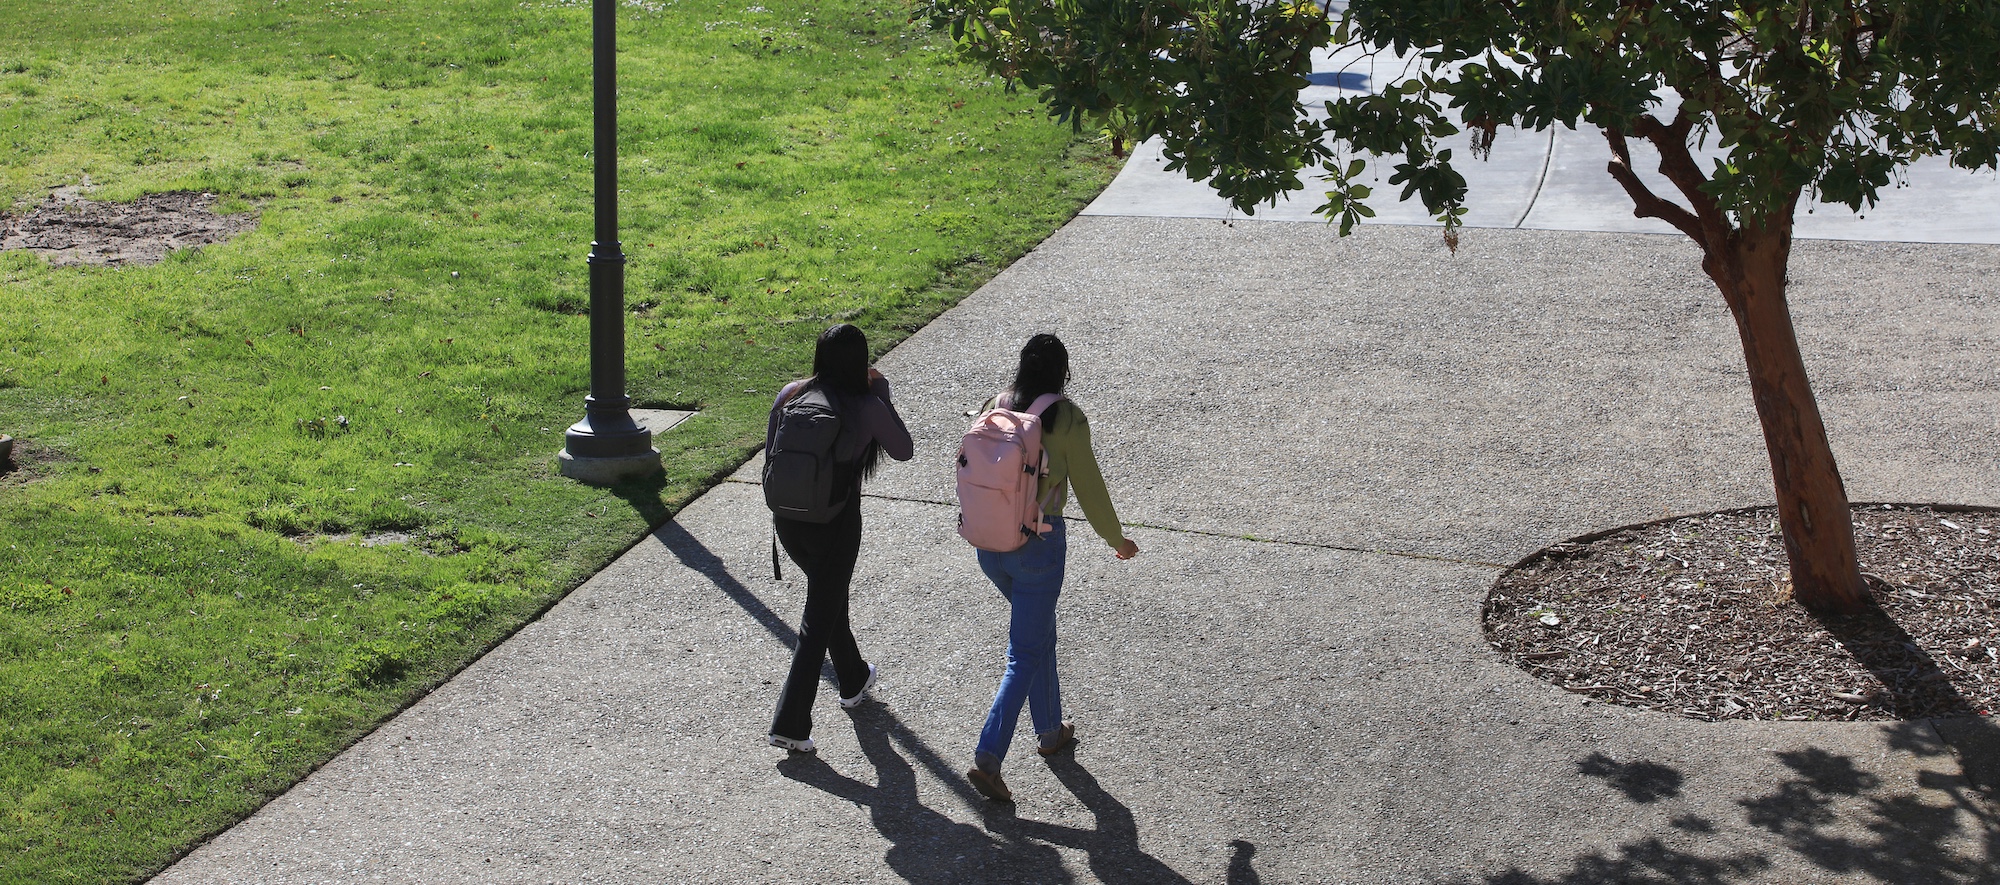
<point x="929" y="847"/>
<point x="1113" y="846"/>
<point x="925" y="845"/>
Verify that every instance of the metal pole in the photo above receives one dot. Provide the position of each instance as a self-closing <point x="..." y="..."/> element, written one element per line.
<point x="607" y="445"/>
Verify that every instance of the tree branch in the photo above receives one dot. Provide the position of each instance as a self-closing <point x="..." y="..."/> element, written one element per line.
<point x="1645" y="203"/>
<point x="1677" y="164"/>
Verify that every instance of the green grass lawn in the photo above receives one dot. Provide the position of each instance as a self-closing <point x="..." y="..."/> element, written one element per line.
<point x="272" y="490"/>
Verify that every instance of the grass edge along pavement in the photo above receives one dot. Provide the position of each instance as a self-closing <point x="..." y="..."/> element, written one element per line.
<point x="273" y="491"/>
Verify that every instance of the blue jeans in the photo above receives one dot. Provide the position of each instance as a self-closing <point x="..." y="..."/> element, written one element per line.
<point x="1031" y="579"/>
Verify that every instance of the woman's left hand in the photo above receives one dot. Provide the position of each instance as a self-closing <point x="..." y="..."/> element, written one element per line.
<point x="1128" y="549"/>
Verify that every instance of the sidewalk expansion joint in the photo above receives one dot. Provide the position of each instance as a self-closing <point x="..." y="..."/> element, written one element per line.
<point x="1316" y="545"/>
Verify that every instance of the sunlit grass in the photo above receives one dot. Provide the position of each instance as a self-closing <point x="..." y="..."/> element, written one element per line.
<point x="273" y="489"/>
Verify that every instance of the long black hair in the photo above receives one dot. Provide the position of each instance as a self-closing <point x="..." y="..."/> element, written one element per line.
<point x="840" y="361"/>
<point x="840" y="367"/>
<point x="1044" y="369"/>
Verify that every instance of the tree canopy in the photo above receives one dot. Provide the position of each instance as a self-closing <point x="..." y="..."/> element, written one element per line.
<point x="1823" y="99"/>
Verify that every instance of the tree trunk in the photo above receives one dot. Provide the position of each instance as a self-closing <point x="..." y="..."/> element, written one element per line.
<point x="1812" y="503"/>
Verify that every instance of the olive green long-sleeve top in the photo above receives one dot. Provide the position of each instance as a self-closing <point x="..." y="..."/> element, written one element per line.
<point x="1073" y="466"/>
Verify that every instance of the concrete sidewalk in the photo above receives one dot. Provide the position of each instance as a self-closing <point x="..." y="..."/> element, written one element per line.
<point x="1330" y="447"/>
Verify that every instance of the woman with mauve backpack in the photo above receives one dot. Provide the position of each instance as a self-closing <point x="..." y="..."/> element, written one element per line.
<point x="826" y="551"/>
<point x="1030" y="578"/>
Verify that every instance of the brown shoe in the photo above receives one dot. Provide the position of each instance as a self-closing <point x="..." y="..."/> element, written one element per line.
<point x="1065" y="738"/>
<point x="990" y="785"/>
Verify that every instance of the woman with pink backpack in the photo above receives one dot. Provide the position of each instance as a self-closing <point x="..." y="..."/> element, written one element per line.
<point x="1030" y="577"/>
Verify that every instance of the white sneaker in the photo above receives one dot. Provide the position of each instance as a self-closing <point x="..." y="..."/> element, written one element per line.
<point x="859" y="696"/>
<point x="796" y="745"/>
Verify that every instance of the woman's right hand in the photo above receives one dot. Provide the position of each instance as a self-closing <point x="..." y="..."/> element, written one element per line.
<point x="1128" y="549"/>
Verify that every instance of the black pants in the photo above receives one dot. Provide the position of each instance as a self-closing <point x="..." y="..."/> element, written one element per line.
<point x="826" y="553"/>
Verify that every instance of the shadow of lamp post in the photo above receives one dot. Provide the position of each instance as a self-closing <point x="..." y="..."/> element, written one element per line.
<point x="607" y="446"/>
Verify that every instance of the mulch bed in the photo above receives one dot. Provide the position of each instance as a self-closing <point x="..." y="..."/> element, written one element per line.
<point x="1693" y="616"/>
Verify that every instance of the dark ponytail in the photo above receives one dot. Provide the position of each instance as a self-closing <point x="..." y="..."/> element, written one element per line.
<point x="1044" y="369"/>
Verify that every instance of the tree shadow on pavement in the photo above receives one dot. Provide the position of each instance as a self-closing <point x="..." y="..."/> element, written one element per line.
<point x="1641" y="782"/>
<point x="1909" y="836"/>
<point x="1829" y="812"/>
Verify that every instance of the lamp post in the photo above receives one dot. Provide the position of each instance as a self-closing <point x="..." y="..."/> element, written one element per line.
<point x="607" y="446"/>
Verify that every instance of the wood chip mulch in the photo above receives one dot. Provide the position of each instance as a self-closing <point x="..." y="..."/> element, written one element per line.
<point x="1693" y="616"/>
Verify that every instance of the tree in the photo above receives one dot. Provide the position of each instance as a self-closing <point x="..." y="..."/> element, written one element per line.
<point x="1821" y="98"/>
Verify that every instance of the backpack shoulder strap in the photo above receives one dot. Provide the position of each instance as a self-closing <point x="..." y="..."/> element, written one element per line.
<point x="1043" y="402"/>
<point x="790" y="392"/>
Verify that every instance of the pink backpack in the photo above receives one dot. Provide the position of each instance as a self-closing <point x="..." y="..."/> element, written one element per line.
<point x="1000" y="463"/>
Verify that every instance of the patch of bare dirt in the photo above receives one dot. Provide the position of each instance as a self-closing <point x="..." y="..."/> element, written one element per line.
<point x="373" y="539"/>
<point x="1693" y="616"/>
<point x="68" y="229"/>
<point x="29" y="461"/>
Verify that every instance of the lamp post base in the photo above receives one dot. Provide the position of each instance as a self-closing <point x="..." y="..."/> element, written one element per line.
<point x="609" y="471"/>
<point x="607" y="447"/>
